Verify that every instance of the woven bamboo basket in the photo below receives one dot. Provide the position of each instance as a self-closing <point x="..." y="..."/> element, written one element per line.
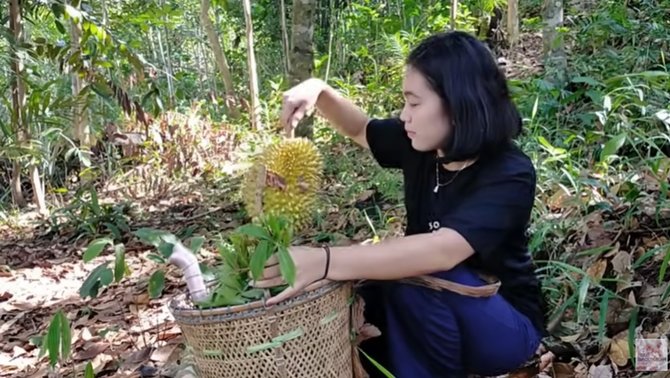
<point x="311" y="333"/>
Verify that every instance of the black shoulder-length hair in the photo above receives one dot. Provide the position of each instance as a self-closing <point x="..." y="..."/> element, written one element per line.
<point x="474" y="91"/>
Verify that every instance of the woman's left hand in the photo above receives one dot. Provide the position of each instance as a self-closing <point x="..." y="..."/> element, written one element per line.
<point x="310" y="265"/>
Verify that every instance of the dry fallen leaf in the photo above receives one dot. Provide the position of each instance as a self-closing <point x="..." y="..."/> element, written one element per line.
<point x="90" y="350"/>
<point x="5" y="327"/>
<point x="571" y="338"/>
<point x="141" y="299"/>
<point x="663" y="327"/>
<point x="86" y="334"/>
<point x="163" y="354"/>
<point x="559" y="200"/>
<point x="625" y="281"/>
<point x="631" y="298"/>
<point x="18" y="351"/>
<point x="651" y="295"/>
<point x="597" y="270"/>
<point x="621" y="262"/>
<point x="562" y="370"/>
<point x="581" y="371"/>
<point x="618" y="351"/>
<point x="600" y="371"/>
<point x="136" y="358"/>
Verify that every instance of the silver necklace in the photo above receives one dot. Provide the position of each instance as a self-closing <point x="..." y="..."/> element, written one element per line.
<point x="438" y="184"/>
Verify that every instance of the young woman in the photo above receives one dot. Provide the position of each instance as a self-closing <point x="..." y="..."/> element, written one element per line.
<point x="469" y="192"/>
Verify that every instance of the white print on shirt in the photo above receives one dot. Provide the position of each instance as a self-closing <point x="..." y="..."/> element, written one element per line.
<point x="433" y="226"/>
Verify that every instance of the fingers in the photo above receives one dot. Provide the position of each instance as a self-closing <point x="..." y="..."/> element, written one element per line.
<point x="289" y="105"/>
<point x="292" y="291"/>
<point x="293" y="110"/>
<point x="273" y="260"/>
<point x="268" y="283"/>
<point x="286" y="294"/>
<point x="271" y="272"/>
<point x="298" y="115"/>
<point x="314" y="284"/>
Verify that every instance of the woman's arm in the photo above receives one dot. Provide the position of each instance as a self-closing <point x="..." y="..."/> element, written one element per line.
<point x="341" y="112"/>
<point x="346" y="117"/>
<point x="393" y="259"/>
<point x="399" y="258"/>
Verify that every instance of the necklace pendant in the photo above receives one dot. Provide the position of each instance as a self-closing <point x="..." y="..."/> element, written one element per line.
<point x="437" y="187"/>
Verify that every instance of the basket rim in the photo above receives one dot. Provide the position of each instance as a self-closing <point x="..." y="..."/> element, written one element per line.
<point x="315" y="290"/>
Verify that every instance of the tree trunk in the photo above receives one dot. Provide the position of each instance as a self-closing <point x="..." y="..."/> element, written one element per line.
<point x="18" y="99"/>
<point x="331" y="33"/>
<point x="82" y="131"/>
<point x="220" y="58"/>
<point x="285" y="42"/>
<point x="153" y="44"/>
<point x="168" y="73"/>
<point x="38" y="190"/>
<point x="202" y="73"/>
<point x="302" y="52"/>
<point x="15" y="186"/>
<point x="255" y="111"/>
<point x="454" y="13"/>
<point x="168" y="60"/>
<point x="513" y="21"/>
<point x="105" y="14"/>
<point x="210" y="75"/>
<point x="555" y="60"/>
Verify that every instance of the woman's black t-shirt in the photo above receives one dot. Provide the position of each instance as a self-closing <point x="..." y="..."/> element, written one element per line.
<point x="489" y="203"/>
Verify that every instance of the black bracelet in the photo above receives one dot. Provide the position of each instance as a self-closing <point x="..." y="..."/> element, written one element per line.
<point x="327" y="249"/>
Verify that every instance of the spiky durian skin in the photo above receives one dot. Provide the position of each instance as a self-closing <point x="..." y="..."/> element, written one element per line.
<point x="298" y="163"/>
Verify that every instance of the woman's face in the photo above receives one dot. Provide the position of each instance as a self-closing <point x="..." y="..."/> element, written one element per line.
<point x="425" y="118"/>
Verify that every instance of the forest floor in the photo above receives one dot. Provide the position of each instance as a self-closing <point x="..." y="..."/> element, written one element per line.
<point x="123" y="332"/>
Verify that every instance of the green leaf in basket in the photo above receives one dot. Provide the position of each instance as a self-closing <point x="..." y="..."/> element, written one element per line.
<point x="264" y="346"/>
<point x="226" y="296"/>
<point x="259" y="258"/>
<point x="254" y="231"/>
<point x="253" y="293"/>
<point x="228" y="277"/>
<point x="286" y="265"/>
<point x="294" y="334"/>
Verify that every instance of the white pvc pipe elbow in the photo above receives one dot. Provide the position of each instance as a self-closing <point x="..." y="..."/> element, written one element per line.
<point x="188" y="263"/>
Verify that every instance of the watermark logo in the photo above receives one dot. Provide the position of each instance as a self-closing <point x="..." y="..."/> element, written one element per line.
<point x="651" y="354"/>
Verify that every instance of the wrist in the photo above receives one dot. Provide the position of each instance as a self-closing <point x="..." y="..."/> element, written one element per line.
<point x="324" y="92"/>
<point x="326" y="261"/>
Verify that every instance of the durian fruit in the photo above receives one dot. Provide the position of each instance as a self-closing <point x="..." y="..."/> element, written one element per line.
<point x="284" y="180"/>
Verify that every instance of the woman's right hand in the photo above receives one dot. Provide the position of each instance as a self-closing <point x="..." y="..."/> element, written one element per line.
<point x="298" y="101"/>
